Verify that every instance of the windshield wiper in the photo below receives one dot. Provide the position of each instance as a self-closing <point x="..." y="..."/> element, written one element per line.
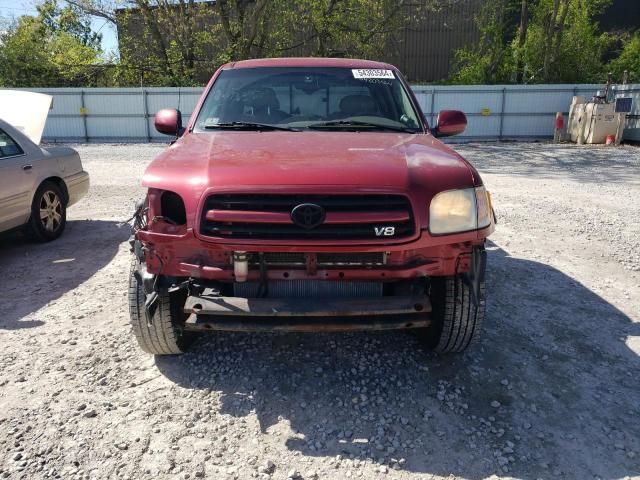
<point x="249" y="126"/>
<point x="358" y="123"/>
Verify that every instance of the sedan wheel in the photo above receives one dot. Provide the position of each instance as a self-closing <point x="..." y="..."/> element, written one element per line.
<point x="48" y="213"/>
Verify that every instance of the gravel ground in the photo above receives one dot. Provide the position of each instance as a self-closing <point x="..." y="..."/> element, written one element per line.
<point x="552" y="391"/>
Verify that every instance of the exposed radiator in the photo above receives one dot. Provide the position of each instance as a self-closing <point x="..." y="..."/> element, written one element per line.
<point x="310" y="288"/>
<point x="322" y="259"/>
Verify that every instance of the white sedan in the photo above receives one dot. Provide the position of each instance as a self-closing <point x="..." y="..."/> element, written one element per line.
<point x="36" y="184"/>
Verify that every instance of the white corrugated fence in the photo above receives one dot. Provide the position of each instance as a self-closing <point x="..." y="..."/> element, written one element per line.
<point x="495" y="112"/>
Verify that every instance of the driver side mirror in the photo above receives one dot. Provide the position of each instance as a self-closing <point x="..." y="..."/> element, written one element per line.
<point x="169" y="122"/>
<point x="450" y="122"/>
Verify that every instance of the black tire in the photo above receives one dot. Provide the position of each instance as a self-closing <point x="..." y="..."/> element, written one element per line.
<point x="457" y="319"/>
<point x="165" y="334"/>
<point x="48" y="213"/>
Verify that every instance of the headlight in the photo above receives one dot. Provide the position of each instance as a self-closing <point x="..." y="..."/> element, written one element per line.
<point x="459" y="211"/>
<point x="483" y="202"/>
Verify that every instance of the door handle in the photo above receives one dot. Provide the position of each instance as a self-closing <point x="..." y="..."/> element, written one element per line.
<point x="27" y="167"/>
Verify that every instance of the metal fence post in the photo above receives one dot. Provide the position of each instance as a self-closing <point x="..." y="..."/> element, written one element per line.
<point x="83" y="114"/>
<point x="504" y="95"/>
<point x="146" y="114"/>
<point x="433" y="101"/>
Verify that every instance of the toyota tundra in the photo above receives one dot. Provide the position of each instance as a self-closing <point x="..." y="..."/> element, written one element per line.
<point x="309" y="195"/>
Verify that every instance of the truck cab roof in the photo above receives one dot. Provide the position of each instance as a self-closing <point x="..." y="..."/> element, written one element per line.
<point x="308" y="62"/>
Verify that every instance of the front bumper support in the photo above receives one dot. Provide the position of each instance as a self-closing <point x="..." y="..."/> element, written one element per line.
<point x="229" y="323"/>
<point x="313" y="307"/>
<point x="211" y="312"/>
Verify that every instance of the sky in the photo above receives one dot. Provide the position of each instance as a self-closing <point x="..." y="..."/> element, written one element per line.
<point x="14" y="8"/>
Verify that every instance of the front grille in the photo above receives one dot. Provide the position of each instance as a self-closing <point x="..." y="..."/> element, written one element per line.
<point x="310" y="289"/>
<point x="396" y="207"/>
<point x="322" y="259"/>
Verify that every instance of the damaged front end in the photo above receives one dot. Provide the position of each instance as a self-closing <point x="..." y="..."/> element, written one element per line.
<point x="301" y="286"/>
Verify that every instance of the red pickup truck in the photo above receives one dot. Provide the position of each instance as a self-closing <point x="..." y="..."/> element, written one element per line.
<point x="309" y="195"/>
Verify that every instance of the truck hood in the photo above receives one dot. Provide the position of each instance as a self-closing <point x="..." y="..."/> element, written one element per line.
<point x="235" y="160"/>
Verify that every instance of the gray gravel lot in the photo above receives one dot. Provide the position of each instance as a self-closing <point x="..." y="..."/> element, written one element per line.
<point x="552" y="391"/>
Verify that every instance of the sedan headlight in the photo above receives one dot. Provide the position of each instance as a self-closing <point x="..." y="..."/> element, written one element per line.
<point x="459" y="211"/>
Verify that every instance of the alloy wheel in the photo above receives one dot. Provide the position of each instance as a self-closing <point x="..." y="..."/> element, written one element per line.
<point x="50" y="211"/>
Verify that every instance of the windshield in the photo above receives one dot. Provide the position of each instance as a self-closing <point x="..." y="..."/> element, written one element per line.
<point x="300" y="98"/>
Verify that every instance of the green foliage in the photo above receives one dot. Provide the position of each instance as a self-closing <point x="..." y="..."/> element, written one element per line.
<point x="491" y="59"/>
<point x="54" y="48"/>
<point x="349" y="28"/>
<point x="565" y="47"/>
<point x="70" y="20"/>
<point x="172" y="43"/>
<point x="24" y="61"/>
<point x="628" y="60"/>
<point x="181" y="42"/>
<point x="560" y="44"/>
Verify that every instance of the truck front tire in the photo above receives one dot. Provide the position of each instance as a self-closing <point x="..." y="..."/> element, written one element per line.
<point x="164" y="333"/>
<point x="457" y="318"/>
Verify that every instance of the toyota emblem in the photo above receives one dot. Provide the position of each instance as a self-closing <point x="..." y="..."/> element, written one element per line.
<point x="308" y="215"/>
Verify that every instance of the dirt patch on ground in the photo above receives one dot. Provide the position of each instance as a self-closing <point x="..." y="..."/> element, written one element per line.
<point x="552" y="391"/>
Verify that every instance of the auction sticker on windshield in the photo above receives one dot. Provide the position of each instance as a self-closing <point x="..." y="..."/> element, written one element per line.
<point x="372" y="73"/>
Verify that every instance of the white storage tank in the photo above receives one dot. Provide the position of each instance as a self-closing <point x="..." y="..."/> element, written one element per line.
<point x="593" y="121"/>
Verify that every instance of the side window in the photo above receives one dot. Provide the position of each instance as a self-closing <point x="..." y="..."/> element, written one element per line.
<point x="8" y="147"/>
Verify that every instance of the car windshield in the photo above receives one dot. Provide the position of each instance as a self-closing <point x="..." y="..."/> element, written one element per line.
<point x="300" y="98"/>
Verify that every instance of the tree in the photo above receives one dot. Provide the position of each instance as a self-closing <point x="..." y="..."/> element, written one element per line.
<point x="53" y="48"/>
<point x="522" y="38"/>
<point x="24" y="61"/>
<point x="491" y="59"/>
<point x="550" y="41"/>
<point x="563" y="43"/>
<point x="343" y="28"/>
<point x="174" y="42"/>
<point x="180" y="42"/>
<point x="356" y="28"/>
<point x="246" y="25"/>
<point x="158" y="41"/>
<point x="70" y="20"/>
<point x="628" y="60"/>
